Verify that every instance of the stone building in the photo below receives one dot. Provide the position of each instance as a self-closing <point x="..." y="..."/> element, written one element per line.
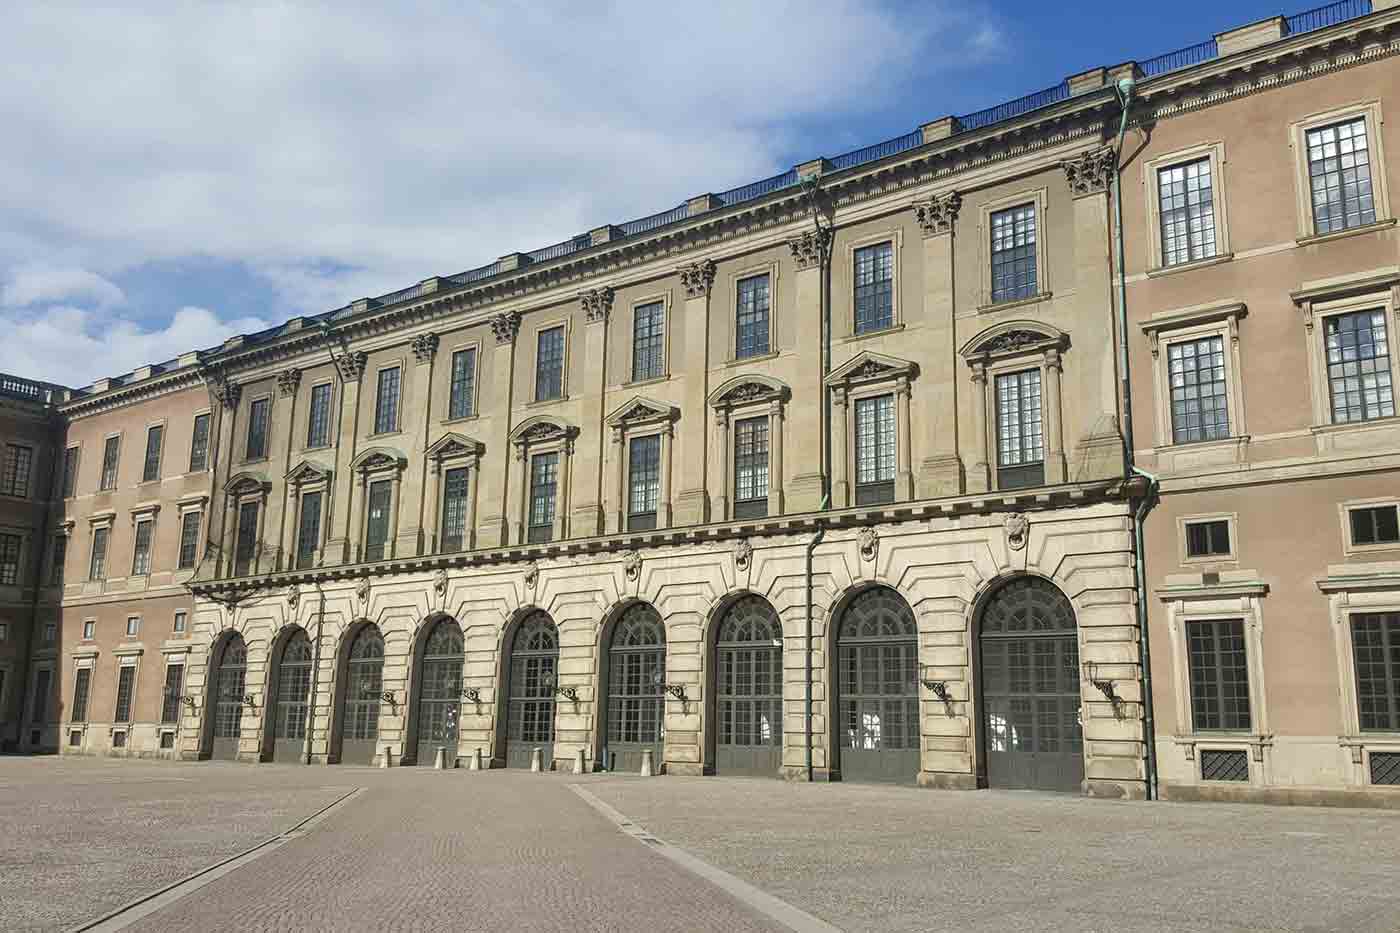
<point x="820" y="477"/>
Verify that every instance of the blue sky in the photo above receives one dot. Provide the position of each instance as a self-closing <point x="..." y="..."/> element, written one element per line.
<point x="175" y="174"/>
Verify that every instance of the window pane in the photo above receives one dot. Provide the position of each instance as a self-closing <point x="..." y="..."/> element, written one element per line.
<point x="9" y="559"/>
<point x="109" y="462"/>
<point x="97" y="569"/>
<point x="60" y="558"/>
<point x="126" y="682"/>
<point x="751" y="317"/>
<point x="544" y="476"/>
<point x="648" y="341"/>
<point x="189" y="539"/>
<point x="70" y="472"/>
<point x="549" y="364"/>
<point x="1358" y="366"/>
<point x="875" y="440"/>
<point x="81" y="684"/>
<point x="644" y="475"/>
<point x="1339" y="173"/>
<point x="377" y="527"/>
<point x="318" y="425"/>
<point x="141" y="553"/>
<point x="150" y="471"/>
<point x="257" y="429"/>
<point x="874" y="296"/>
<point x="199" y="444"/>
<point x="309" y="530"/>
<point x="1376" y="648"/>
<point x="463" y="383"/>
<point x="1187" y="208"/>
<point x="1013" y="253"/>
<point x="19" y="462"/>
<point x="386" y="403"/>
<point x="1196" y="369"/>
<point x="246" y="544"/>
<point x="1219" y="675"/>
<point x="1019" y="437"/>
<point x="1207" y="538"/>
<point x="454" y="510"/>
<point x="174" y="682"/>
<point x="751" y="459"/>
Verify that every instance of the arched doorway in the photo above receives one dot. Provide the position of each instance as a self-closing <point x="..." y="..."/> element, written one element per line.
<point x="636" y="681"/>
<point x="749" y="689"/>
<point x="1028" y="646"/>
<point x="532" y="671"/>
<point x="290" y="703"/>
<point x="364" y="685"/>
<point x="440" y="691"/>
<point x="230" y="678"/>
<point x="877" y="686"/>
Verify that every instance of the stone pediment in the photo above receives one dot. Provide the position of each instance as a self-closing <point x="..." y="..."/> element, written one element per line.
<point x="246" y="482"/>
<point x="869" y="366"/>
<point x="742" y="390"/>
<point x="308" y="472"/>
<point x="639" y="410"/>
<point x="1015" y="337"/>
<point x="453" y="444"/>
<point x="542" y="429"/>
<point x="378" y="458"/>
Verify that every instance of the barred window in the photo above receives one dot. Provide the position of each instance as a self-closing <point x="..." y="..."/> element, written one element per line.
<point x="9" y="559"/>
<point x="199" y="444"/>
<point x="174" y="687"/>
<point x="150" y="469"/>
<point x="318" y="420"/>
<point x="1375" y="639"/>
<point x="246" y="543"/>
<point x="1339" y="174"/>
<point x="1358" y="366"/>
<point x="1375" y="525"/>
<point x="875" y="449"/>
<point x="189" y="539"/>
<point x="1020" y="438"/>
<point x="257" y="429"/>
<point x="97" y="567"/>
<point x="643" y="482"/>
<point x="308" y="530"/>
<point x="454" y="510"/>
<point x="386" y="401"/>
<point x="751" y="317"/>
<point x="141" y="551"/>
<point x="463" y="383"/>
<point x="60" y="557"/>
<point x="70" y="472"/>
<point x="126" y="686"/>
<point x="377" y="527"/>
<point x="751" y="467"/>
<point x="874" y="277"/>
<point x="19" y="462"/>
<point x="110" y="451"/>
<point x="648" y="341"/>
<point x="82" y="683"/>
<point x="544" y="480"/>
<point x="549" y="364"/>
<point x="1186" y="204"/>
<point x="1219" y="675"/>
<point x="1013" y="253"/>
<point x="1199" y="404"/>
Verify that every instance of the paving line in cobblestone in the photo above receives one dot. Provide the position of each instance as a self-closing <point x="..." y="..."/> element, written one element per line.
<point x="772" y="907"/>
<point x="148" y="904"/>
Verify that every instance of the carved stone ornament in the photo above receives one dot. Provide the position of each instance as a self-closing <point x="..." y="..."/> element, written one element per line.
<point x="1091" y="172"/>
<point x="1017" y="529"/>
<point x="532" y="574"/>
<point x="869" y="369"/>
<point x="287" y="381"/>
<point x="440" y="582"/>
<point x="869" y="542"/>
<point x="747" y="392"/>
<point x="362" y="590"/>
<point x="597" y="303"/>
<point x="505" y="326"/>
<point x="293" y="596"/>
<point x="539" y="433"/>
<point x="809" y="248"/>
<point x="743" y="554"/>
<point x="351" y="365"/>
<point x="632" y="564"/>
<point x="938" y="214"/>
<point x="1011" y="341"/>
<point x="425" y="347"/>
<point x="226" y="393"/>
<point x="697" y="277"/>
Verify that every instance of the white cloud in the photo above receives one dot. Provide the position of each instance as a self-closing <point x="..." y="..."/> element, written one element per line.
<point x="36" y="282"/>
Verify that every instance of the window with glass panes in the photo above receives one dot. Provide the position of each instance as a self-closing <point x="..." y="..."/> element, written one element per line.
<point x="1013" y="253"/>
<point x="463" y="383"/>
<point x="643" y="481"/>
<point x="181" y="620"/>
<point x="60" y="557"/>
<point x="1020" y="439"/>
<point x="751" y="467"/>
<point x="1219" y="675"/>
<point x="170" y="701"/>
<point x="19" y="462"/>
<point x="126" y="687"/>
<point x="751" y="317"/>
<point x="875" y="449"/>
<point x="141" y="551"/>
<point x="309" y="529"/>
<point x="544" y="481"/>
<point x="549" y="363"/>
<point x="1358" y="366"/>
<point x="1208" y="538"/>
<point x="386" y="401"/>
<point x="318" y="420"/>
<point x="110" y="450"/>
<point x="1200" y="410"/>
<point x="1375" y="525"/>
<point x="454" y="510"/>
<point x="246" y="543"/>
<point x="97" y="566"/>
<point x="70" y="472"/>
<point x="1375" y="642"/>
<point x="874" y="278"/>
<point x="257" y="429"/>
<point x="377" y="525"/>
<point x="1186" y="205"/>
<point x="1339" y="176"/>
<point x="82" y="684"/>
<point x="150" y="468"/>
<point x="9" y="559"/>
<point x="648" y="341"/>
<point x="189" y="539"/>
<point x="199" y="444"/>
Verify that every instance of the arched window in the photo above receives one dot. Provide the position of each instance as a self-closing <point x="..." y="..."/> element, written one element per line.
<point x="534" y="663"/>
<point x="636" y="675"/>
<point x="749" y="689"/>
<point x="878" y="684"/>
<point x="293" y="689"/>
<point x="364" y="685"/>
<point x="440" y="691"/>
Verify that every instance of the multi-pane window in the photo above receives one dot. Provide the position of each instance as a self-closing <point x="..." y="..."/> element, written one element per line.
<point x="110" y="451"/>
<point x="751" y="317"/>
<point x="875" y="450"/>
<point x="133" y="626"/>
<point x="82" y="683"/>
<point x="97" y="567"/>
<point x="70" y="472"/>
<point x="1199" y="405"/>
<point x="643" y="481"/>
<point x="1358" y="366"/>
<point x="126" y="686"/>
<point x="257" y="428"/>
<point x="309" y="529"/>
<point x="174" y="684"/>
<point x="89" y="629"/>
<point x="1375" y="525"/>
<point x="318" y="420"/>
<point x="150" y="467"/>
<point x="181" y="620"/>
<point x="463" y="383"/>
<point x="1208" y="538"/>
<point x="9" y="559"/>
<point x="141" y="552"/>
<point x="1013" y="253"/>
<point x="199" y="444"/>
<point x="874" y="277"/>
<point x="751" y="467"/>
<point x="648" y="341"/>
<point x="60" y="557"/>
<point x="19" y="463"/>
<point x="386" y="401"/>
<point x="246" y="543"/>
<point x="377" y="526"/>
<point x="544" y="483"/>
<point x="549" y="363"/>
<point x="1375" y="641"/>
<point x="1020" y="438"/>
<point x="1186" y="204"/>
<point x="1339" y="175"/>
<point x="1219" y="675"/>
<point x="189" y="539"/>
<point x="454" y="510"/>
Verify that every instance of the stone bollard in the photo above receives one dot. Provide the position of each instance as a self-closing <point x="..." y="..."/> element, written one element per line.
<point x="647" y="769"/>
<point x="476" y="761"/>
<point x="580" y="762"/>
<point x="440" y="758"/>
<point x="536" y="759"/>
<point x="388" y="760"/>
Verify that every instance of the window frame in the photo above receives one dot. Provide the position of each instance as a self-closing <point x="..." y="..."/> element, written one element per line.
<point x="563" y="325"/>
<point x="148" y="520"/>
<point x="126" y="663"/>
<point x="1040" y="198"/>
<point x="387" y="484"/>
<point x="664" y="369"/>
<point x="876" y="489"/>
<point x="66" y="489"/>
<point x="377" y="429"/>
<point x="103" y="484"/>
<point x="1370" y="111"/>
<point x="1186" y="325"/>
<point x="89" y="629"/>
<point x="1183" y="522"/>
<point x="1323" y="302"/>
<point x="185" y="513"/>
<point x="739" y="398"/>
<point x="263" y="454"/>
<point x="473" y="397"/>
<point x="645" y="520"/>
<point x="146" y="476"/>
<point x="531" y="535"/>
<point x="1214" y="151"/>
<point x="11" y="450"/>
<point x="329" y="386"/>
<point x="180" y="622"/>
<point x="895" y="238"/>
<point x="58" y="564"/>
<point x="104" y="525"/>
<point x="1347" y="595"/>
<point x="1219" y="681"/>
<point x="452" y="452"/>
<point x="208" y="417"/>
<point x="20" y="540"/>
<point x="303" y="557"/>
<point x="754" y="507"/>
<point x="1023" y="412"/>
<point x="1346" y="507"/>
<point x="731" y="317"/>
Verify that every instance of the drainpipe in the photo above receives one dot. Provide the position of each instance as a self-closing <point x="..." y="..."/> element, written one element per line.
<point x="315" y="674"/>
<point x="811" y="547"/>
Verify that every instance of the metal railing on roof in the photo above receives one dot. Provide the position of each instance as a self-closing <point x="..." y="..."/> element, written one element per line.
<point x="1181" y="58"/>
<point x="757" y="189"/>
<point x="878" y="151"/>
<point x="1014" y="108"/>
<point x="1329" y="15"/>
<point x="644" y="224"/>
<point x="571" y="245"/>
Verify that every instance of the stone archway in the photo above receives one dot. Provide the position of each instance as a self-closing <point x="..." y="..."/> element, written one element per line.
<point x="876" y="688"/>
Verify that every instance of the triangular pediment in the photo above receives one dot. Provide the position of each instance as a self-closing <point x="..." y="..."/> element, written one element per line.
<point x="749" y="387"/>
<point x="307" y="471"/>
<point x="869" y="366"/>
<point x="453" y="444"/>
<point x="639" y="409"/>
<point x="1014" y="337"/>
<point x="379" y="458"/>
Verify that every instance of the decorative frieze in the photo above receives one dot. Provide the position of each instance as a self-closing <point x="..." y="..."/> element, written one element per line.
<point x="351" y="365"/>
<point x="938" y="214"/>
<point x="810" y="248"/>
<point x="425" y="347"/>
<point x="1091" y="172"/>
<point x="505" y="326"/>
<point x="597" y="304"/>
<point x="287" y="381"/>
<point x="698" y="277"/>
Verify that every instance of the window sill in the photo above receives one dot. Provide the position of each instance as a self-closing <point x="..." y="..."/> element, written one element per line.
<point x="543" y="402"/>
<point x="247" y="461"/>
<point x="1190" y="266"/>
<point x="1315" y="238"/>
<point x="755" y="358"/>
<point x="394" y="433"/>
<point x="884" y="331"/>
<point x="1014" y="303"/>
<point x="653" y="380"/>
<point x="461" y="418"/>
<point x="1390" y="421"/>
<point x="316" y="448"/>
<point x="1223" y="443"/>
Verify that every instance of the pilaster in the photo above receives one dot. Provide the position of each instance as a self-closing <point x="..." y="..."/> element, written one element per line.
<point x="692" y="505"/>
<point x="810" y="253"/>
<point x="351" y="366"/>
<point x="587" y="456"/>
<point x="496" y="484"/>
<point x="941" y="472"/>
<point x="417" y="416"/>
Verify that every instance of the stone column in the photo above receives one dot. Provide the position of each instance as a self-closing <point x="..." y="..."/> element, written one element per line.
<point x="617" y="508"/>
<point x="494" y="529"/>
<point x="362" y="524"/>
<point x="941" y="472"/>
<point x="432" y="505"/>
<point x="288" y="381"/>
<point x="663" y="484"/>
<point x="904" y="478"/>
<point x="521" y="499"/>
<point x="351" y="366"/>
<point x="723" y="463"/>
<point x="1055" y="471"/>
<point x="395" y="511"/>
<point x="692" y="504"/>
<point x="418" y="416"/>
<point x="587" y="517"/>
<point x="979" y="478"/>
<point x="227" y="395"/>
<point x="561" y="492"/>
<point x="809" y="254"/>
<point x="775" y="458"/>
<point x="840" y="450"/>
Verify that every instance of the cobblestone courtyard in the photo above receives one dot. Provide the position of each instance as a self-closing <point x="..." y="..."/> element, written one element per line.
<point x="416" y="849"/>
